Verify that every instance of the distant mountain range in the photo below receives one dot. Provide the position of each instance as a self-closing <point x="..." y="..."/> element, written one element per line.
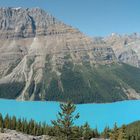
<point x="126" y="47"/>
<point x="41" y="58"/>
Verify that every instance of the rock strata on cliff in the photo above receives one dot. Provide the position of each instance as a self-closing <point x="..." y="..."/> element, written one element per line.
<point x="41" y="58"/>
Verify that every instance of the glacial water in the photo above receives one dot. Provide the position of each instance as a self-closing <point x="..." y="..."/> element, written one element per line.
<point x="97" y="115"/>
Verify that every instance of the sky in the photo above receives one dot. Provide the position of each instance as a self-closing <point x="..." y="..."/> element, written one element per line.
<point x="92" y="17"/>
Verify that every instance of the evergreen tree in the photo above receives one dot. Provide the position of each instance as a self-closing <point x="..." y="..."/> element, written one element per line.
<point x="13" y="123"/>
<point x="52" y="131"/>
<point x="7" y="122"/>
<point x="25" y="126"/>
<point x="65" y="120"/>
<point x="87" y="133"/>
<point x="115" y="132"/>
<point x="77" y="132"/>
<point x="31" y="127"/>
<point x="106" y="133"/>
<point x="19" y="125"/>
<point x="96" y="133"/>
<point x="1" y="120"/>
<point x="39" y="129"/>
<point x="122" y="133"/>
<point x="1" y="124"/>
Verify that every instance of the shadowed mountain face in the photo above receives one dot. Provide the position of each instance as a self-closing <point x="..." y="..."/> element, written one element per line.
<point x="42" y="58"/>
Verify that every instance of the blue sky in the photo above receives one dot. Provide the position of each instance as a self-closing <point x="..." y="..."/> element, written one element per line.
<point x="93" y="17"/>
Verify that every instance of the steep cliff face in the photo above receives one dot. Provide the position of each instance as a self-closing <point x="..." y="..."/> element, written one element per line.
<point x="24" y="23"/>
<point x="42" y="58"/>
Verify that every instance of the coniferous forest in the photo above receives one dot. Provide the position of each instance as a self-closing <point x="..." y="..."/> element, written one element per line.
<point x="64" y="129"/>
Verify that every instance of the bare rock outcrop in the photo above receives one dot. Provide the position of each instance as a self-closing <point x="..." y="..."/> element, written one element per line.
<point x="14" y="135"/>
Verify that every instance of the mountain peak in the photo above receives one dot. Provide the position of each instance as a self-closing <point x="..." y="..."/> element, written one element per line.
<point x="41" y="58"/>
<point x="24" y="22"/>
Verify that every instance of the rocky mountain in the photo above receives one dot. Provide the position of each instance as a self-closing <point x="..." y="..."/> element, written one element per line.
<point x="41" y="58"/>
<point x="126" y="47"/>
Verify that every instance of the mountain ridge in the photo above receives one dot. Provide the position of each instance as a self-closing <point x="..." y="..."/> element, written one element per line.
<point x="38" y="53"/>
<point x="126" y="47"/>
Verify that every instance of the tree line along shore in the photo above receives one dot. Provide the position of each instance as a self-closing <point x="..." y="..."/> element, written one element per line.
<point x="63" y="127"/>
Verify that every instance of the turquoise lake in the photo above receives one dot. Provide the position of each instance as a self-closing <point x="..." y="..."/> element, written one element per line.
<point x="97" y="115"/>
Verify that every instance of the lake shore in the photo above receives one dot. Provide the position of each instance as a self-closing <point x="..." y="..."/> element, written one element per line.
<point x="97" y="115"/>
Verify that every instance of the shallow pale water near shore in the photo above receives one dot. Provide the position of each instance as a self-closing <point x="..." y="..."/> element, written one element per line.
<point x="97" y="115"/>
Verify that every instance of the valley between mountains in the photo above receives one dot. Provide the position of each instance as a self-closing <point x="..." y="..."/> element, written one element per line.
<point x="42" y="58"/>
